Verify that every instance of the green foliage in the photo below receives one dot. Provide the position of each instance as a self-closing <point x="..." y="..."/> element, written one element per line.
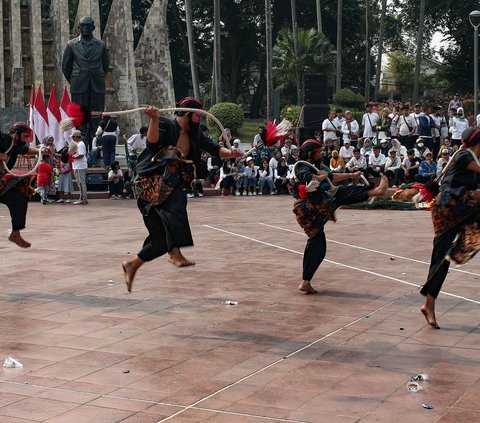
<point x="249" y="129"/>
<point x="291" y="112"/>
<point x="347" y="98"/>
<point x="229" y="114"/>
<point x="314" y="56"/>
<point x="401" y="66"/>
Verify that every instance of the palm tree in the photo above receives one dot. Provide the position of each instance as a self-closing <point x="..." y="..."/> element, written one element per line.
<point x="314" y="56"/>
<point x="191" y="48"/>
<point x="380" y="48"/>
<point x="268" y="45"/>
<point x="418" y="57"/>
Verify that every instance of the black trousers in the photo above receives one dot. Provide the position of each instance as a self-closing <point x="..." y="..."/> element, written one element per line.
<point x="167" y="226"/>
<point x="438" y="265"/>
<point x="316" y="247"/>
<point x="17" y="204"/>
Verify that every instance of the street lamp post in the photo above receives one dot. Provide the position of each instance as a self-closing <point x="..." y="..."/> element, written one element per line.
<point x="474" y="18"/>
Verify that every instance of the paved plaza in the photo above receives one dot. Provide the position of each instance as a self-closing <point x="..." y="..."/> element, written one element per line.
<point x="173" y="351"/>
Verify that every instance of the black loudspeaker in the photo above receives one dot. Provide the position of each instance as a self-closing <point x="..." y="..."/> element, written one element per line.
<point x="306" y="133"/>
<point x="314" y="115"/>
<point x="97" y="181"/>
<point x="316" y="89"/>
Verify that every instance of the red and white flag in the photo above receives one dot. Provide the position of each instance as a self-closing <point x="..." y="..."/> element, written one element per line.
<point x="54" y="118"/>
<point x="40" y="116"/>
<point x="30" y="111"/>
<point x="63" y="112"/>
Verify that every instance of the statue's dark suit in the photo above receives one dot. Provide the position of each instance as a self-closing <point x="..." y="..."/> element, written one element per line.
<point x="85" y="64"/>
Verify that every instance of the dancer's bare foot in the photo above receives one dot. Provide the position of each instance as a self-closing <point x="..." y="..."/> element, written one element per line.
<point x="130" y="269"/>
<point x="306" y="287"/>
<point x="177" y="259"/>
<point x="381" y="190"/>
<point x="17" y="239"/>
<point x="430" y="316"/>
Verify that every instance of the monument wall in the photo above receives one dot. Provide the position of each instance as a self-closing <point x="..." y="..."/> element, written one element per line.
<point x="32" y="45"/>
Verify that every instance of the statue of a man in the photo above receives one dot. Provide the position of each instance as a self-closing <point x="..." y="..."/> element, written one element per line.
<point x="85" y="64"/>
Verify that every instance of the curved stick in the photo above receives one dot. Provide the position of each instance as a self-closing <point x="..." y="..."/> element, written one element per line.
<point x="65" y="124"/>
<point x="29" y="172"/>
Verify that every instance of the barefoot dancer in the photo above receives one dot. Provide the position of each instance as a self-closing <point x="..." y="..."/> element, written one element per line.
<point x="456" y="219"/>
<point x="15" y="192"/>
<point x="167" y="223"/>
<point x="316" y="201"/>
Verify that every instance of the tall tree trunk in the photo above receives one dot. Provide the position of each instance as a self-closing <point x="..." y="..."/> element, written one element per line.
<point x="191" y="48"/>
<point x="380" y="49"/>
<point x="367" y="50"/>
<point x="269" y="55"/>
<point x="256" y="104"/>
<point x="217" y="50"/>
<point x="338" y="70"/>
<point x="418" y="58"/>
<point x="319" y="18"/>
<point x="295" y="49"/>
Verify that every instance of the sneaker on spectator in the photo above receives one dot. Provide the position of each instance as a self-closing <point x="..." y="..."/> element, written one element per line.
<point x="250" y="193"/>
<point x="200" y="194"/>
<point x="260" y="193"/>
<point x="272" y="193"/>
<point x="113" y="197"/>
<point x="237" y="193"/>
<point x="244" y="193"/>
<point x="76" y="203"/>
<point x="68" y="201"/>
<point x="189" y="195"/>
<point x="60" y="201"/>
<point x="254" y="193"/>
<point x="394" y="186"/>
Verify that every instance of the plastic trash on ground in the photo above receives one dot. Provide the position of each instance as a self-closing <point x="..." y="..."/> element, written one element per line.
<point x="420" y="376"/>
<point x="413" y="387"/>
<point x="230" y="302"/>
<point x="10" y="363"/>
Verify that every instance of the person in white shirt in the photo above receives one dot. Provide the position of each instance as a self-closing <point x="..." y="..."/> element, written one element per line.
<point x="238" y="145"/>
<point x="392" y="163"/>
<point x="346" y="152"/>
<point x="442" y="161"/>
<point x="330" y="129"/>
<point x="406" y="128"/>
<point x="357" y="162"/>
<point x="417" y="110"/>
<point x="350" y="129"/>
<point x="477" y="121"/>
<point x="376" y="162"/>
<point x="369" y="122"/>
<point x="395" y="116"/>
<point x="79" y="165"/>
<point x="137" y="143"/>
<point x="273" y="163"/>
<point x="338" y="121"/>
<point x="401" y="149"/>
<point x="108" y="132"/>
<point x="288" y="148"/>
<point x="458" y="125"/>
<point x="115" y="182"/>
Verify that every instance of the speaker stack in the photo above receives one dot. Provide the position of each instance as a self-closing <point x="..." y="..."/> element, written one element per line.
<point x="316" y="98"/>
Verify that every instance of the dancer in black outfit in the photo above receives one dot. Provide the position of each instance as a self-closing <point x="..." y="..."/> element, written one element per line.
<point x="167" y="222"/>
<point x="456" y="219"/>
<point x="316" y="201"/>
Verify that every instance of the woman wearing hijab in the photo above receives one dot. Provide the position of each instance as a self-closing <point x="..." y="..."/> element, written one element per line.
<point x="48" y="141"/>
<point x="456" y="219"/>
<point x="316" y="200"/>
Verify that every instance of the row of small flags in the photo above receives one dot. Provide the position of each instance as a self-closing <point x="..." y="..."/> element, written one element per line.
<point x="45" y="119"/>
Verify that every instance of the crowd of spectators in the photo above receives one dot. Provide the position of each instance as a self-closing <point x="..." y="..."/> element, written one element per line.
<point x="407" y="143"/>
